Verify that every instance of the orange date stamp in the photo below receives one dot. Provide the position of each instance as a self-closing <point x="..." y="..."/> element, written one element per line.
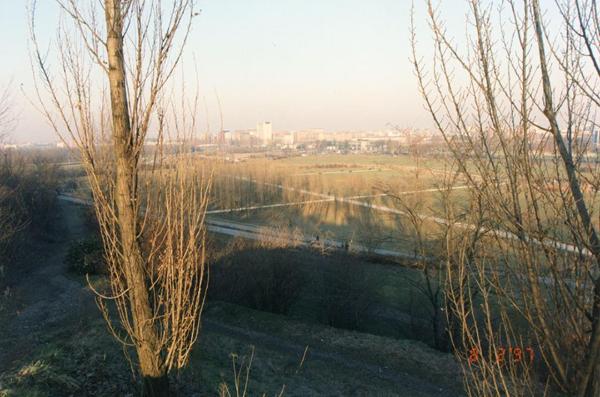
<point x="504" y="355"/>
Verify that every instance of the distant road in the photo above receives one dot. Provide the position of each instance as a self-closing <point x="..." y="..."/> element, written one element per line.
<point x="264" y="233"/>
<point x="566" y="247"/>
<point x="547" y="242"/>
<point x="74" y="200"/>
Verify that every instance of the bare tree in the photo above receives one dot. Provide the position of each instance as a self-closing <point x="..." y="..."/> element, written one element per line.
<point x="7" y="119"/>
<point x="8" y="224"/>
<point x="517" y="109"/>
<point x="10" y="219"/>
<point x="115" y="59"/>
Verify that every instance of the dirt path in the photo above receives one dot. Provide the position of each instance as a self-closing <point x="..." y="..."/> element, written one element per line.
<point x="43" y="299"/>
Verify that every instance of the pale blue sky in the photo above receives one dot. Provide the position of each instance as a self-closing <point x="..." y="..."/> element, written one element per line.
<point x="333" y="64"/>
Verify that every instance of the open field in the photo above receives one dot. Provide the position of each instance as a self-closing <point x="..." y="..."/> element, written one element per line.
<point x="344" y="196"/>
<point x="329" y="196"/>
<point x="360" y="199"/>
<point x="341" y="197"/>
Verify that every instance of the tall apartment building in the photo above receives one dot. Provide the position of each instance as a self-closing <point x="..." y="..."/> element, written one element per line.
<point x="264" y="132"/>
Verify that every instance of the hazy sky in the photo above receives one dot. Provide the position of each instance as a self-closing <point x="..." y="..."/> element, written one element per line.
<point x="333" y="64"/>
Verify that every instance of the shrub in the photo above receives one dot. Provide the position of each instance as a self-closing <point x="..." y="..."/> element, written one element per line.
<point x="88" y="216"/>
<point x="86" y="257"/>
<point x="258" y="278"/>
<point x="28" y="205"/>
<point x="29" y="190"/>
<point x="346" y="299"/>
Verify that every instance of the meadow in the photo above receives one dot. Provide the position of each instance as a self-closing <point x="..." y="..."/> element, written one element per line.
<point x="359" y="199"/>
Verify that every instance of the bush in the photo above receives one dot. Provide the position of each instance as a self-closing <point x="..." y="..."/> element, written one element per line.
<point x="28" y="205"/>
<point x="88" y="216"/>
<point x="258" y="278"/>
<point x="86" y="257"/>
<point x="346" y="299"/>
<point x="29" y="189"/>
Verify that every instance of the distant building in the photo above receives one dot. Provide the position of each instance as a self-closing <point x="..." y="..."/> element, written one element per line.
<point x="264" y="132"/>
<point x="287" y="139"/>
<point x="312" y="135"/>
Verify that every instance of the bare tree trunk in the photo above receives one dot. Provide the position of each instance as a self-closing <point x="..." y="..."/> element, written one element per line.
<point x="588" y="386"/>
<point x="155" y="381"/>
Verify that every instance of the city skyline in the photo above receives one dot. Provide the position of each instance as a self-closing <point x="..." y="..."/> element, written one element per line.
<point x="340" y="65"/>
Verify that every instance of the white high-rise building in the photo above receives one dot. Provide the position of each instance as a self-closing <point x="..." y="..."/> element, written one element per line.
<point x="264" y="132"/>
